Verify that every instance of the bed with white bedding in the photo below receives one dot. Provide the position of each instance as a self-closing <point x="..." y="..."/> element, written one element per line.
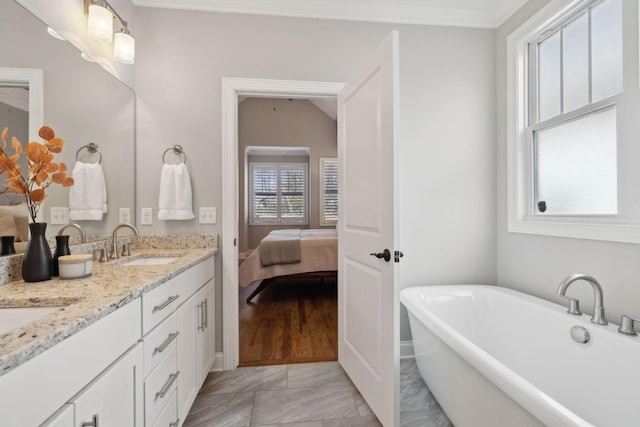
<point x="290" y="252"/>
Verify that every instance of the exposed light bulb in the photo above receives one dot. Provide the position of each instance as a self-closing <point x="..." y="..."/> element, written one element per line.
<point x="100" y="26"/>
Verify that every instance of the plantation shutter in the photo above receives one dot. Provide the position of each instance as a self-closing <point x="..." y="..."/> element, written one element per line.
<point x="265" y="192"/>
<point x="329" y="191"/>
<point x="278" y="193"/>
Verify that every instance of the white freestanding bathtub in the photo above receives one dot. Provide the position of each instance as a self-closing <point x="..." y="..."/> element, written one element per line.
<point x="499" y="358"/>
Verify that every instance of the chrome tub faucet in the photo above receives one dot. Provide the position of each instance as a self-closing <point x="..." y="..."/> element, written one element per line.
<point x="598" y="307"/>
<point x="627" y="324"/>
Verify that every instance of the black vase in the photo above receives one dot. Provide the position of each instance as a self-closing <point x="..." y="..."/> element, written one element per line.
<point x="62" y="248"/>
<point x="36" y="261"/>
<point x="6" y="245"/>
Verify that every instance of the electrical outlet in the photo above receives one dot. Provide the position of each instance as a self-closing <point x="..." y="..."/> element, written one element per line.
<point x="146" y="216"/>
<point x="125" y="215"/>
<point x="59" y="216"/>
<point x="207" y="215"/>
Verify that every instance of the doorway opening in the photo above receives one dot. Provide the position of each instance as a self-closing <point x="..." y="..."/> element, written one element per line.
<point x="234" y="90"/>
<point x="288" y="181"/>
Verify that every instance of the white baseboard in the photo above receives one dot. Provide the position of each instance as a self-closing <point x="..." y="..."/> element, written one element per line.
<point x="406" y="349"/>
<point x="218" y="362"/>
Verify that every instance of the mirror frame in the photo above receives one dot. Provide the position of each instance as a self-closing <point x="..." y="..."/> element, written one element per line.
<point x="34" y="80"/>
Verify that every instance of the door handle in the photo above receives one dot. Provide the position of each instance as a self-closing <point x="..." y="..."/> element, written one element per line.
<point x="386" y="255"/>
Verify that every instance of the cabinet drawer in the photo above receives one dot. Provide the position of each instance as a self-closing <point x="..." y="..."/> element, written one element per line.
<point x="159" y="387"/>
<point x="159" y="303"/>
<point x="159" y="342"/>
<point x="193" y="279"/>
<point x="169" y="416"/>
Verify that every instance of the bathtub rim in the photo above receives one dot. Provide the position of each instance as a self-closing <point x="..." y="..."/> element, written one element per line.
<point x="535" y="401"/>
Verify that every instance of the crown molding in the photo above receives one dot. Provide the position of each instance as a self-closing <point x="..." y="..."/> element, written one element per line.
<point x="458" y="13"/>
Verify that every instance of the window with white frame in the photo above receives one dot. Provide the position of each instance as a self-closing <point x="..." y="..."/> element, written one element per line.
<point x="574" y="82"/>
<point x="278" y="193"/>
<point x="569" y="123"/>
<point x="328" y="191"/>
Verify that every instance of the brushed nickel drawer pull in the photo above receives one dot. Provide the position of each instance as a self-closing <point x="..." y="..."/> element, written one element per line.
<point x="167" y="385"/>
<point x="94" y="423"/>
<point x="205" y="316"/>
<point x="166" y="303"/>
<point x="166" y="343"/>
<point x="201" y="317"/>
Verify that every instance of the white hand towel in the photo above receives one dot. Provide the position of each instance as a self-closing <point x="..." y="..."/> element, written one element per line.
<point x="88" y="195"/>
<point x="175" y="193"/>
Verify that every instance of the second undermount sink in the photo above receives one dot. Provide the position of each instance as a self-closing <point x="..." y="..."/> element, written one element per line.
<point x="16" y="313"/>
<point x="16" y="317"/>
<point x="152" y="260"/>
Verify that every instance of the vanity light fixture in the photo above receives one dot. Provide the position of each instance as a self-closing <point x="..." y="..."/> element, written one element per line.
<point x="100" y="28"/>
<point x="124" y="47"/>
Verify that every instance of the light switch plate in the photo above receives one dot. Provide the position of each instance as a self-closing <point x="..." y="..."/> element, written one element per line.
<point x="59" y="216"/>
<point x="146" y="216"/>
<point x="207" y="215"/>
<point x="125" y="215"/>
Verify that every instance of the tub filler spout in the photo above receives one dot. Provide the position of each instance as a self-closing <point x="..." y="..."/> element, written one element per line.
<point x="598" y="305"/>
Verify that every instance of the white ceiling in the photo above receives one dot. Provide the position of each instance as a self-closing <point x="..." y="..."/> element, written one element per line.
<point x="462" y="13"/>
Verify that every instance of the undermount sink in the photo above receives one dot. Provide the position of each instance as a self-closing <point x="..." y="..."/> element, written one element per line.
<point x="16" y="317"/>
<point x="152" y="260"/>
<point x="19" y="312"/>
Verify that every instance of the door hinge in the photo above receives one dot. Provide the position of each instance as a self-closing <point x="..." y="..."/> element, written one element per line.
<point x="397" y="255"/>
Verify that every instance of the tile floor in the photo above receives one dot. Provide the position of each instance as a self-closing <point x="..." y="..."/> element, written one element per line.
<point x="305" y="395"/>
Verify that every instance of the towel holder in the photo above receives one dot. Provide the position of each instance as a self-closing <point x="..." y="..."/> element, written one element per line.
<point x="177" y="150"/>
<point x="91" y="148"/>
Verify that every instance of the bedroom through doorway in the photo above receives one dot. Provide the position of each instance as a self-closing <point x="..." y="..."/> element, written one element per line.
<point x="287" y="240"/>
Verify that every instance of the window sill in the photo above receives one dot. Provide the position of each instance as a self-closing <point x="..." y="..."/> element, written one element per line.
<point x="624" y="233"/>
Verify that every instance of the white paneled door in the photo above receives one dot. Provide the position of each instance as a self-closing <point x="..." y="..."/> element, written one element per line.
<point x="368" y="304"/>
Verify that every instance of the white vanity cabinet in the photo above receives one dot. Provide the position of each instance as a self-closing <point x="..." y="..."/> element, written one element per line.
<point x="195" y="345"/>
<point x="178" y="343"/>
<point x="205" y="352"/>
<point x="65" y="417"/>
<point x="114" y="398"/>
<point x="38" y="388"/>
<point x="130" y="368"/>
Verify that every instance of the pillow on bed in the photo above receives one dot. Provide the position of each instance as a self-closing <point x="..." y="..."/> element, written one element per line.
<point x="7" y="224"/>
<point x="20" y="221"/>
<point x="22" y="224"/>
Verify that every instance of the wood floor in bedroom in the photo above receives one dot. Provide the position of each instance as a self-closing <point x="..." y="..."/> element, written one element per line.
<point x="291" y="321"/>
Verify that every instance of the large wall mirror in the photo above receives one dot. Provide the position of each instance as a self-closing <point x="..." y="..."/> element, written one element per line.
<point x="82" y="102"/>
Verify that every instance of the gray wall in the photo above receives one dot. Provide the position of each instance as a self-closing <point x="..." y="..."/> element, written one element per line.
<point x="447" y="121"/>
<point x="283" y="123"/>
<point x="537" y="264"/>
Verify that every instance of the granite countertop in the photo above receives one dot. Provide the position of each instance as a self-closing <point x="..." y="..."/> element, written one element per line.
<point x="83" y="301"/>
